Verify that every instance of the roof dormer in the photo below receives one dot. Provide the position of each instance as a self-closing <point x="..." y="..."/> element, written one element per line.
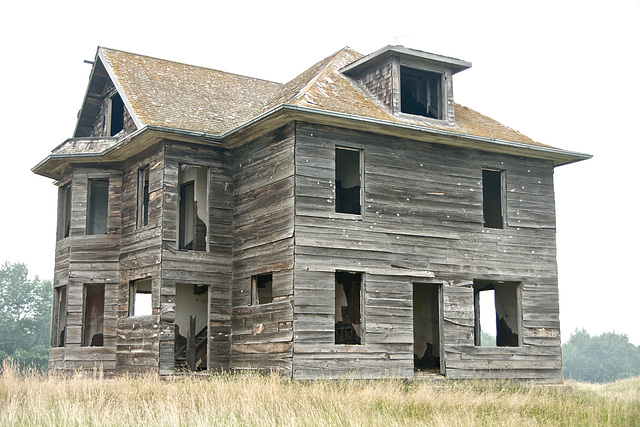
<point x="410" y="82"/>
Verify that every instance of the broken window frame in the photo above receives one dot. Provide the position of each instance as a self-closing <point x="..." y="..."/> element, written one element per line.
<point x="116" y="109"/>
<point x="419" y="83"/>
<point x="140" y="287"/>
<point x="494" y="213"/>
<point x="64" y="211"/>
<point x="142" y="219"/>
<point x="91" y="337"/>
<point x="59" y="316"/>
<point x="502" y="292"/>
<point x="345" y="197"/>
<point x="97" y="206"/>
<point x="184" y="208"/>
<point x="258" y="282"/>
<point x="340" y="331"/>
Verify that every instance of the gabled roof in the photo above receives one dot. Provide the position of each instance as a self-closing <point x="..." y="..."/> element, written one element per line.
<point x="180" y="96"/>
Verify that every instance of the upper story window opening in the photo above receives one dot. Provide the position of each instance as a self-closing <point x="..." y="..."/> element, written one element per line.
<point x="64" y="211"/>
<point x="348" y="180"/>
<point x="97" y="206"/>
<point x="193" y="207"/>
<point x="493" y="198"/>
<point x="421" y="93"/>
<point x="116" y="114"/>
<point x="143" y="197"/>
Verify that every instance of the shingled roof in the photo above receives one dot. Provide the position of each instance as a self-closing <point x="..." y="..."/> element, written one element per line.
<point x="180" y="96"/>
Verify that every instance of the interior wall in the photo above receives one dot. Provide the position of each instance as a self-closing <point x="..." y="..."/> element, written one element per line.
<point x="426" y="319"/>
<point x="190" y="304"/>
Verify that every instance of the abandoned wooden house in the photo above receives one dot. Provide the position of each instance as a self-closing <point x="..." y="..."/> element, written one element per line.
<point x="347" y="223"/>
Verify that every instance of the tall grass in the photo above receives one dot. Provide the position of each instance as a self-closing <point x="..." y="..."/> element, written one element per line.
<point x="30" y="398"/>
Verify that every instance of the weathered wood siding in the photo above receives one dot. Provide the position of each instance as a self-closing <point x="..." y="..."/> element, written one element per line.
<point x="263" y="183"/>
<point x="101" y="123"/>
<point x="422" y="211"/>
<point x="212" y="267"/>
<point x="83" y="259"/>
<point x="140" y="257"/>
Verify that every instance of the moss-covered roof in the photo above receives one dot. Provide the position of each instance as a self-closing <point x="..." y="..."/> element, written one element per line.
<point x="186" y="97"/>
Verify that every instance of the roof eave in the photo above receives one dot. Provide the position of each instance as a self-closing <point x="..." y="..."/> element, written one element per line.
<point x="294" y="112"/>
<point x="456" y="65"/>
<point x="52" y="165"/>
<point x="130" y="145"/>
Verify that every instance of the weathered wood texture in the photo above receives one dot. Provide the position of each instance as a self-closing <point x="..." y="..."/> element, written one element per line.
<point x="422" y="211"/>
<point x="211" y="268"/>
<point x="263" y="183"/>
<point x="83" y="259"/>
<point x="140" y="258"/>
<point x="102" y="120"/>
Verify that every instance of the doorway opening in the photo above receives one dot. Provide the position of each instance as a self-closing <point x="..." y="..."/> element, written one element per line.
<point x="427" y="343"/>
<point x="191" y="327"/>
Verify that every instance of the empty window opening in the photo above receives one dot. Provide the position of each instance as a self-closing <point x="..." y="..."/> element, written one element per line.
<point x="97" y="206"/>
<point x="497" y="313"/>
<point x="59" y="317"/>
<point x="262" y="289"/>
<point x="193" y="207"/>
<point x="191" y="327"/>
<point x="64" y="211"/>
<point x="421" y="92"/>
<point x="426" y="326"/>
<point x="116" y="115"/>
<point x="143" y="197"/>
<point x="348" y="181"/>
<point x="348" y="314"/>
<point x="93" y="318"/>
<point x="492" y="198"/>
<point x="140" y="300"/>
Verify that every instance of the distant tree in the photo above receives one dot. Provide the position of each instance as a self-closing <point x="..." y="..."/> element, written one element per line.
<point x="25" y="313"/>
<point x="601" y="358"/>
<point x="487" y="340"/>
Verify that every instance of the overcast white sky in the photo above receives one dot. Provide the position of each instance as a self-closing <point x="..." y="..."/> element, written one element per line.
<point x="564" y="73"/>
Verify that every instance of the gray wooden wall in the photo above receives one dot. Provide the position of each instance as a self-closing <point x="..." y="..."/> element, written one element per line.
<point x="83" y="259"/>
<point x="263" y="184"/>
<point x="422" y="211"/>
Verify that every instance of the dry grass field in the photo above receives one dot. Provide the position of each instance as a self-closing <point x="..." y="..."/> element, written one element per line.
<point x="32" y="399"/>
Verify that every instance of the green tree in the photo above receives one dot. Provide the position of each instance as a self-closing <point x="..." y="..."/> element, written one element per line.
<point x="601" y="358"/>
<point x="25" y="316"/>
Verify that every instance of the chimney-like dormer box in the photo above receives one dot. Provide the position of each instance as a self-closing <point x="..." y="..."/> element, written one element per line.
<point x="410" y="82"/>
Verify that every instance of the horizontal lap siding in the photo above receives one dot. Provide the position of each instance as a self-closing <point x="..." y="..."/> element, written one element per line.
<point x="263" y="210"/>
<point x="212" y="267"/>
<point x="140" y="257"/>
<point x="423" y="211"/>
<point x="83" y="259"/>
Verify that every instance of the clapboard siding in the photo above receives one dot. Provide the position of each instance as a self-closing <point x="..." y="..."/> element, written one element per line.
<point x="263" y="216"/>
<point x="422" y="210"/>
<point x="83" y="259"/>
<point x="211" y="267"/>
<point x="140" y="258"/>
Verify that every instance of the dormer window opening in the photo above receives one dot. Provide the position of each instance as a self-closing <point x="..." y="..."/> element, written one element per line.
<point x="116" y="119"/>
<point x="421" y="93"/>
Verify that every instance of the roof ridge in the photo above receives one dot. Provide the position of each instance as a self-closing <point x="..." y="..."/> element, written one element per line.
<point x="184" y="64"/>
<point x="294" y="90"/>
<point x="330" y="59"/>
